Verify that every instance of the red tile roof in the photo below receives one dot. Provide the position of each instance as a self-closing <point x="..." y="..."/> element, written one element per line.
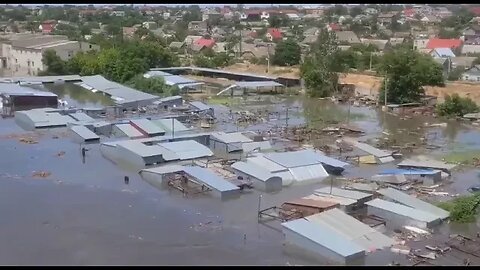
<point x="475" y="10"/>
<point x="443" y="43"/>
<point x="409" y="12"/>
<point x="47" y="27"/>
<point x="203" y="42"/>
<point x="334" y="27"/>
<point x="275" y="33"/>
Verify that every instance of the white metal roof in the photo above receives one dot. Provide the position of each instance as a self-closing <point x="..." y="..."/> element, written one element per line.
<point x="350" y="194"/>
<point x="128" y="130"/>
<point x="233" y="137"/>
<point x="187" y="149"/>
<point x="148" y="126"/>
<point x="403" y="210"/>
<point x="253" y="170"/>
<point x="368" y="148"/>
<point x="169" y="124"/>
<point x="144" y="150"/>
<point x="210" y="179"/>
<point x="84" y="132"/>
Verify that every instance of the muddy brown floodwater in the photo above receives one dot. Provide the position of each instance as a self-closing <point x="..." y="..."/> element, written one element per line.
<point x="84" y="213"/>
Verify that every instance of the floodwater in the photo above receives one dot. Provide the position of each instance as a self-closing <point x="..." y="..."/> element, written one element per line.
<point x="84" y="213"/>
<point x="76" y="95"/>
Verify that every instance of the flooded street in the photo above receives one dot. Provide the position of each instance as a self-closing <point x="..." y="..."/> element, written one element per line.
<point x="84" y="213"/>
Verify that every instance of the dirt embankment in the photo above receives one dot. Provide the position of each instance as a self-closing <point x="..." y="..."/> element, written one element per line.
<point x="365" y="84"/>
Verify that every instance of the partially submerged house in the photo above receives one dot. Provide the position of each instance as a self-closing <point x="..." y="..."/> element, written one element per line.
<point x="220" y="187"/>
<point x="84" y="135"/>
<point x="423" y="162"/>
<point x="261" y="179"/>
<point x="379" y="156"/>
<point x="147" y="127"/>
<point x="16" y="97"/>
<point x="335" y="235"/>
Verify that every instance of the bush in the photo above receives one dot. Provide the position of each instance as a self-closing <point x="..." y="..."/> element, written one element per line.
<point x="455" y="105"/>
<point x="462" y="209"/>
<point x="455" y="74"/>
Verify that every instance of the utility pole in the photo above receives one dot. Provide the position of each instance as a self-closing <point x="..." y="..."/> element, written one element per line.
<point x="173" y="128"/>
<point x="286" y="119"/>
<point x="386" y="82"/>
<point x="268" y="58"/>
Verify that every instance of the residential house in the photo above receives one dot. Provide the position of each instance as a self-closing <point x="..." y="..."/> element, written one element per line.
<point x="189" y="40"/>
<point x="394" y="41"/>
<point x="47" y="27"/>
<point x="402" y="35"/>
<point x="454" y="44"/>
<point x="314" y="11"/>
<point x="226" y="12"/>
<point x="273" y="34"/>
<point x="211" y="15"/>
<point x="473" y="74"/>
<point x="87" y="12"/>
<point x="380" y="44"/>
<point x="177" y="46"/>
<point x="293" y="17"/>
<point x="464" y="62"/>
<point x="197" y="26"/>
<point x="446" y="64"/>
<point x="409" y="13"/>
<point x="202" y="44"/>
<point x="443" y="12"/>
<point x="475" y="11"/>
<point x="313" y="31"/>
<point x="385" y="19"/>
<point x="166" y="15"/>
<point x="420" y="44"/>
<point x="442" y="53"/>
<point x="334" y="27"/>
<point x="118" y="13"/>
<point x="128" y="32"/>
<point x="468" y="49"/>
<point x="253" y="16"/>
<point x="249" y="51"/>
<point x="471" y="34"/>
<point x="347" y="37"/>
<point x="150" y="25"/>
<point x="430" y="19"/>
<point x="309" y="39"/>
<point x="220" y="47"/>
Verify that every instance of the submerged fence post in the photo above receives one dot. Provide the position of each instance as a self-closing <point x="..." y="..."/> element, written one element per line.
<point x="259" y="203"/>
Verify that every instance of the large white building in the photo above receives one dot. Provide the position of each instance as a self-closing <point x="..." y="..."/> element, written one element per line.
<point x="21" y="54"/>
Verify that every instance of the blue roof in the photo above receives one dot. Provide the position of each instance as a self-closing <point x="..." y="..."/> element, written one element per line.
<point x="324" y="236"/>
<point x="210" y="179"/>
<point x="445" y="52"/>
<point x="408" y="172"/>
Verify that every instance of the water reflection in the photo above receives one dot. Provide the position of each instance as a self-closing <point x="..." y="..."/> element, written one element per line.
<point x="77" y="96"/>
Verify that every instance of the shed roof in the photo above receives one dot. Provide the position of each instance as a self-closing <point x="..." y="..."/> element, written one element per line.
<point x="169" y="124"/>
<point x="295" y="158"/>
<point x="425" y="162"/>
<point x="368" y="148"/>
<point x="257" y="84"/>
<point x="189" y="149"/>
<point x="313" y="203"/>
<point x="354" y="230"/>
<point x="200" y="106"/>
<point x="120" y="93"/>
<point x="331" y="198"/>
<point x="253" y="170"/>
<point x="324" y="236"/>
<point x="402" y="210"/>
<point x="409" y="171"/>
<point x="210" y="179"/>
<point x="80" y="116"/>
<point x="144" y="150"/>
<point x="11" y="89"/>
<point x="176" y="80"/>
<point x="84" y="132"/>
<point x="232" y="137"/>
<point x="147" y="126"/>
<point x="350" y="194"/>
<point x="128" y="130"/>
<point x="250" y="146"/>
<point x="413" y="202"/>
<point x="164" y="169"/>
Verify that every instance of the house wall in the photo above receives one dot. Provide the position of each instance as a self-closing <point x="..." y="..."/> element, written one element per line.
<point x="298" y="240"/>
<point x="473" y="78"/>
<point x="24" y="121"/>
<point x="396" y="221"/>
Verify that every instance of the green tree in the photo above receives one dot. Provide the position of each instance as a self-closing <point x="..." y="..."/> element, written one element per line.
<point x="154" y="85"/>
<point x="319" y="69"/>
<point x="287" y="53"/>
<point x="455" y="105"/>
<point x="455" y="74"/>
<point x="407" y="71"/>
<point x="445" y="33"/>
<point x="201" y="60"/>
<point x="55" y="65"/>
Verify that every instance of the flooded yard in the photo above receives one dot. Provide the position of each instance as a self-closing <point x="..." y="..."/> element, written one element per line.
<point x="83" y="213"/>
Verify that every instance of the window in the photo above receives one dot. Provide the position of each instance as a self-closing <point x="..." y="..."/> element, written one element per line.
<point x="90" y="46"/>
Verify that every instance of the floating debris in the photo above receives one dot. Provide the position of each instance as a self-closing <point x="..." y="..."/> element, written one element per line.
<point x="41" y="174"/>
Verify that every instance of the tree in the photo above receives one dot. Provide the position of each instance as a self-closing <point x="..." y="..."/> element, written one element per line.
<point x="447" y="33"/>
<point x="355" y="11"/>
<point x="287" y="53"/>
<point x="407" y="71"/>
<point x="154" y="85"/>
<point x="456" y="73"/>
<point x="455" y="105"/>
<point x="277" y="21"/>
<point x="319" y="69"/>
<point x="55" y="65"/>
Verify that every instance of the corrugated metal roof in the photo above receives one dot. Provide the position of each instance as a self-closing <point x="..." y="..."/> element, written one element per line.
<point x="177" y="80"/>
<point x="200" y="106"/>
<point x="167" y="125"/>
<point x="148" y="126"/>
<point x="409" y="171"/>
<point x="350" y="194"/>
<point x="324" y="236"/>
<point x="312" y="203"/>
<point x="85" y="133"/>
<point x="269" y="165"/>
<point x="166" y="99"/>
<point x="403" y="210"/>
<point x="210" y="179"/>
<point x="80" y="116"/>
<point x="359" y="233"/>
<point x="258" y="84"/>
<point x="116" y="90"/>
<point x="215" y="71"/>
<point x="164" y="169"/>
<point x="253" y="170"/>
<point x="147" y="150"/>
<point x="331" y="198"/>
<point x="128" y="130"/>
<point x="424" y="162"/>
<point x="250" y="146"/>
<point x="17" y="90"/>
<point x="42" y="79"/>
<point x="368" y="148"/>
<point x="155" y="73"/>
<point x="295" y="158"/>
<point x="310" y="172"/>
<point x="390" y="178"/>
<point x="42" y="118"/>
<point x="413" y="202"/>
<point x="187" y="149"/>
<point x="181" y="86"/>
<point x="233" y="137"/>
